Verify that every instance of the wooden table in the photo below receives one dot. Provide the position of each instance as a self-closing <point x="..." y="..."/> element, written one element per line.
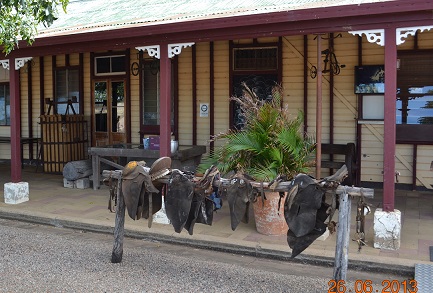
<point x="23" y="141"/>
<point x="186" y="158"/>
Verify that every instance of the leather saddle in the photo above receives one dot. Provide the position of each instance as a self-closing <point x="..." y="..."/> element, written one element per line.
<point x="139" y="192"/>
<point x="240" y="194"/>
<point x="187" y="203"/>
<point x="180" y="191"/>
<point x="305" y="211"/>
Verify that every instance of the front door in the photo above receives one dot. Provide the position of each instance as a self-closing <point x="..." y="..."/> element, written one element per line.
<point x="109" y="112"/>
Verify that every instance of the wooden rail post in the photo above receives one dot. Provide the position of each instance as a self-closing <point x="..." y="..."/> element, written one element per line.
<point x="119" y="228"/>
<point x="343" y="233"/>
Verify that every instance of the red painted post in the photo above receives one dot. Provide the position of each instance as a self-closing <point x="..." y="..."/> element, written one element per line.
<point x="389" y="119"/>
<point x="165" y="103"/>
<point x="15" y="113"/>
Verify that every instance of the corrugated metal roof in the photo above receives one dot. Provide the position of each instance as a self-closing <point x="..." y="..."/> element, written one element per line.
<point x="99" y="15"/>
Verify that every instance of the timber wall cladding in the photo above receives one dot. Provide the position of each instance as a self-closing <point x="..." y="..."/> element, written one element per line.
<point x="135" y="100"/>
<point x="64" y="139"/>
<point x="425" y="163"/>
<point x="372" y="153"/>
<point x="185" y="96"/>
<point x="221" y="87"/>
<point x="203" y="91"/>
<point x="293" y="79"/>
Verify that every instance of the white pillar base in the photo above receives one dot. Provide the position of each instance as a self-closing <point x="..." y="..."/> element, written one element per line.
<point x="387" y="229"/>
<point x="15" y="193"/>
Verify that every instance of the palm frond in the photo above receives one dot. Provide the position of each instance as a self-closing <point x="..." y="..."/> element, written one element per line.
<point x="270" y="144"/>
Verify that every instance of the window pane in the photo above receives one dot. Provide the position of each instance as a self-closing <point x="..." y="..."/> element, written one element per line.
<point x="150" y="97"/>
<point x="61" y="86"/>
<point x="118" y="107"/>
<point x="415" y="88"/>
<point x="4" y="105"/>
<point x="102" y="65"/>
<point x="415" y="106"/>
<point x="67" y="88"/>
<point x="110" y="65"/>
<point x="244" y="59"/>
<point x="255" y="58"/>
<point x="260" y="84"/>
<point x="73" y="83"/>
<point x="118" y="64"/>
<point x="74" y="89"/>
<point x="101" y="106"/>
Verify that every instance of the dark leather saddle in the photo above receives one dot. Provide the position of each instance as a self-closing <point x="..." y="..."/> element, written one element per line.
<point x="187" y="202"/>
<point x="305" y="211"/>
<point x="240" y="194"/>
<point x="140" y="195"/>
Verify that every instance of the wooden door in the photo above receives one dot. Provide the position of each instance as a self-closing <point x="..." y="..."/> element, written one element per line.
<point x="109" y="112"/>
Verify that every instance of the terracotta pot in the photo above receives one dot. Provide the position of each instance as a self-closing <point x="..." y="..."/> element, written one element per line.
<point x="268" y="220"/>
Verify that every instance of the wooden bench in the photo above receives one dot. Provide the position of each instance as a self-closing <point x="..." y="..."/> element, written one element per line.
<point x="349" y="152"/>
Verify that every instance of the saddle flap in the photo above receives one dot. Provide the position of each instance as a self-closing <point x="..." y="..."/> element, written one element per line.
<point x="135" y="184"/>
<point x="238" y="196"/>
<point x="301" y="216"/>
<point x="178" y="199"/>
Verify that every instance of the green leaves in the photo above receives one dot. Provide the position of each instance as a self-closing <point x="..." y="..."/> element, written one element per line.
<point x="20" y="18"/>
<point x="269" y="145"/>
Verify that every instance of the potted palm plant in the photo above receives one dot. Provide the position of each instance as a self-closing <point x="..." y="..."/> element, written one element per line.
<point x="269" y="145"/>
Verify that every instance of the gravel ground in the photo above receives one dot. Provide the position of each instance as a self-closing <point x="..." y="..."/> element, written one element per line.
<point x="47" y="259"/>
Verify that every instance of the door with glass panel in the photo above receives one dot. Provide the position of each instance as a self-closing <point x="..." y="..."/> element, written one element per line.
<point x="109" y="112"/>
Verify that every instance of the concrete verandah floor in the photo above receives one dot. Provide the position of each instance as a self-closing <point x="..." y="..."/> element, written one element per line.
<point x="51" y="201"/>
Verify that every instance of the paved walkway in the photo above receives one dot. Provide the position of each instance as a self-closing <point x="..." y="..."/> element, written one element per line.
<point x="50" y="203"/>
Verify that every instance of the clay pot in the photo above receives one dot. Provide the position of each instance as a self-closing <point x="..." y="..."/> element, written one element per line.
<point x="269" y="220"/>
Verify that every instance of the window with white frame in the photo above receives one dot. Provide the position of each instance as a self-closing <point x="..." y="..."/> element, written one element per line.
<point x="110" y="65"/>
